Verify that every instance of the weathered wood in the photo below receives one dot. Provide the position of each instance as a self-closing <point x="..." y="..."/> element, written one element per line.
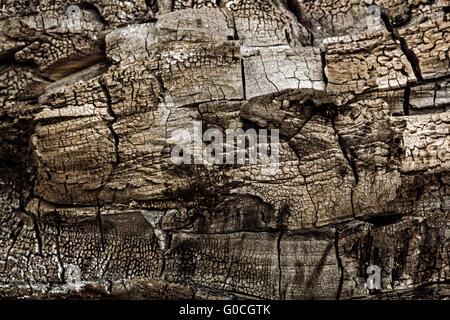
<point x="89" y="116"/>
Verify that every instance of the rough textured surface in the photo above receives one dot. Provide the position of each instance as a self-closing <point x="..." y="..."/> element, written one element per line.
<point x="87" y="117"/>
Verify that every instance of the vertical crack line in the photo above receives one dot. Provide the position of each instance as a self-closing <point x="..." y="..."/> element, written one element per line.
<point x="14" y="236"/>
<point x="37" y="234"/>
<point x="105" y="269"/>
<point x="163" y="266"/>
<point x="112" y="122"/>
<point x="235" y="30"/>
<point x="435" y="89"/>
<point x="166" y="251"/>
<point x="324" y="64"/>
<point x="265" y="73"/>
<point x="146" y="43"/>
<point x="62" y="274"/>
<point x="409" y="53"/>
<point x="351" y="202"/>
<point x="228" y="271"/>
<point x="279" y="264"/>
<point x="345" y="150"/>
<point x="243" y="79"/>
<point x="406" y="98"/>
<point x="100" y="228"/>
<point x="316" y="218"/>
<point x="339" y="263"/>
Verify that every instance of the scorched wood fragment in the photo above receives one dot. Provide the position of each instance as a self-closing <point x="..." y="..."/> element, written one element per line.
<point x="92" y="205"/>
